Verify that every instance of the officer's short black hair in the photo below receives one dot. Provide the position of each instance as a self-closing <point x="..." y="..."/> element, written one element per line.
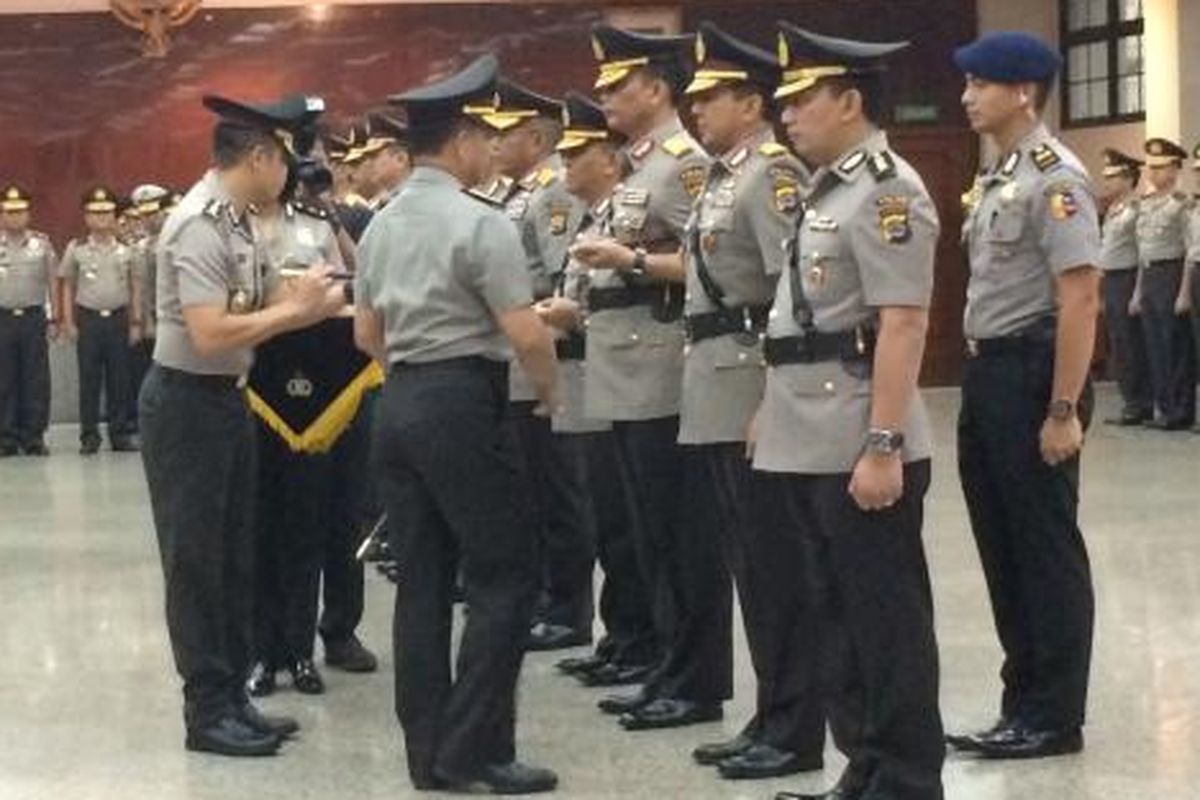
<point x="1041" y="94"/>
<point x="869" y="86"/>
<point x="673" y="75"/>
<point x="233" y="143"/>
<point x="429" y="139"/>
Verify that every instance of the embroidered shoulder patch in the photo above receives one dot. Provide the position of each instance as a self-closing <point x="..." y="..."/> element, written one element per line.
<point x="693" y="179"/>
<point x="558" y="220"/>
<point x="893" y="218"/>
<point x="1061" y="201"/>
<point x="785" y="186"/>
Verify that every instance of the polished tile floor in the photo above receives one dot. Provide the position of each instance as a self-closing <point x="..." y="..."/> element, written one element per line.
<point x="89" y="704"/>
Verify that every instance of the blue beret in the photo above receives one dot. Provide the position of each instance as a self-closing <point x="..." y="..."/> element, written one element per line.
<point x="1009" y="57"/>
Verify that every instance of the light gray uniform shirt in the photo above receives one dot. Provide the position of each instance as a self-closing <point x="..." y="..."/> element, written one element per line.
<point x="866" y="239"/>
<point x="298" y="238"/>
<point x="737" y="231"/>
<point x="101" y="271"/>
<point x="1193" y="236"/>
<point x="440" y="265"/>
<point x="635" y="362"/>
<point x="1162" y="227"/>
<point x="207" y="256"/>
<point x="27" y="262"/>
<point x="1035" y="219"/>
<point x="1118" y="237"/>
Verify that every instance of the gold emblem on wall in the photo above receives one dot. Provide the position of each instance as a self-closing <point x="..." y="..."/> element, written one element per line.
<point x="155" y="19"/>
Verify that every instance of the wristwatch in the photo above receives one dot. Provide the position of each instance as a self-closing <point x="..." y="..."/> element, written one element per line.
<point x="1061" y="410"/>
<point x="639" y="261"/>
<point x="884" y="442"/>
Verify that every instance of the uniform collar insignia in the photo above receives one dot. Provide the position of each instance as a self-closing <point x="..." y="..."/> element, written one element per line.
<point x="1009" y="166"/>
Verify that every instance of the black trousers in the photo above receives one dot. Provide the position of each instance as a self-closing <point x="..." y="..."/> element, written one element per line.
<point x="1024" y="517"/>
<point x="1195" y="268"/>
<point x="356" y="510"/>
<point x="852" y="616"/>
<point x="651" y="468"/>
<point x="1127" y="343"/>
<point x="1169" y="344"/>
<point x="199" y="457"/>
<point x="24" y="377"/>
<point x="624" y="606"/>
<point x="567" y="550"/>
<point x="699" y="656"/>
<point x="453" y="484"/>
<point x="141" y="355"/>
<point x="103" y="355"/>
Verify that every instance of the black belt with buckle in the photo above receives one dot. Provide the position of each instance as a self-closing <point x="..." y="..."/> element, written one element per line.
<point x="1036" y="337"/>
<point x="744" y="319"/>
<point x="22" y="311"/>
<point x="571" y="348"/>
<point x="816" y="347"/>
<point x="1166" y="262"/>
<point x="609" y="297"/>
<point x="103" y="313"/>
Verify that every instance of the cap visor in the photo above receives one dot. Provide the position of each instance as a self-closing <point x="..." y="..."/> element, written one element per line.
<point x="501" y="122"/>
<point x="608" y="78"/>
<point x="14" y="205"/>
<point x="702" y="85"/>
<point x="794" y="88"/>
<point x="1163" y="161"/>
<point x="100" y="208"/>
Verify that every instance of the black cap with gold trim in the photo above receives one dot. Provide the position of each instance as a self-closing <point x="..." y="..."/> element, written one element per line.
<point x="99" y="200"/>
<point x="518" y="104"/>
<point x="286" y="120"/>
<point x="807" y="57"/>
<point x="584" y="123"/>
<point x="1117" y="164"/>
<point x="470" y="93"/>
<point x="380" y="131"/>
<point x="1162" y="152"/>
<point x="14" y="199"/>
<point x="723" y="59"/>
<point x="149" y="198"/>
<point x="620" y="53"/>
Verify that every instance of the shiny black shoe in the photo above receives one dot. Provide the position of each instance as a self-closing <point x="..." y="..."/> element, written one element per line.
<point x="305" y="677"/>
<point x="671" y="713"/>
<point x="125" y="444"/>
<point x="261" y="682"/>
<point x="710" y="755"/>
<point x="617" y="704"/>
<point x="89" y="447"/>
<point x="231" y="736"/>
<point x="283" y="727"/>
<point x="512" y="778"/>
<point x="611" y="675"/>
<point x="581" y="665"/>
<point x="350" y="656"/>
<point x="971" y="742"/>
<point x="764" y="761"/>
<point x="9" y="450"/>
<point x="36" y="448"/>
<point x="836" y="793"/>
<point x="1026" y="743"/>
<point x="546" y="636"/>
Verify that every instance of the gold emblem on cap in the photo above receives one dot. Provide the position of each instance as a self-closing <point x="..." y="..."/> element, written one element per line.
<point x="701" y="49"/>
<point x="785" y="55"/>
<point x="14" y="193"/>
<point x="598" y="48"/>
<point x="99" y="194"/>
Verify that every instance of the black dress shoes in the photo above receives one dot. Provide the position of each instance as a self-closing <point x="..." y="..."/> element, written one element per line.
<point x="89" y="447"/>
<point x="547" y="636"/>
<point x="581" y="665"/>
<point x="231" y="736"/>
<point x="261" y="682"/>
<point x="617" y="675"/>
<point x="836" y="793"/>
<point x="9" y="450"/>
<point x="512" y="778"/>
<point x="671" y="713"/>
<point x="710" y="755"/>
<point x="1023" y="743"/>
<point x="764" y="761"/>
<point x="971" y="742"/>
<point x="617" y="704"/>
<point x="126" y="444"/>
<point x="36" y="448"/>
<point x="282" y="727"/>
<point x="305" y="677"/>
<point x="350" y="656"/>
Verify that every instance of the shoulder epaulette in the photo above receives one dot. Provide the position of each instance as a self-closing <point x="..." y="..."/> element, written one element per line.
<point x="882" y="166"/>
<point x="214" y="208"/>
<point x="772" y="149"/>
<point x="483" y="197"/>
<point x="1044" y="157"/>
<point x="678" y="145"/>
<point x="546" y="176"/>
<point x="311" y="210"/>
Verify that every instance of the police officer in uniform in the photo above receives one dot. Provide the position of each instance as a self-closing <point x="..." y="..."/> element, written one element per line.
<point x="151" y="201"/>
<point x="102" y="311"/>
<point x="1119" y="260"/>
<point x="1192" y="275"/>
<point x="27" y="267"/>
<point x="215" y="304"/>
<point x="1161" y="296"/>
<point x="635" y="341"/>
<point x="452" y="486"/>
<point x="595" y="165"/>
<point x="734" y="256"/>
<point x="1032" y="236"/>
<point x="544" y="213"/>
<point x="385" y="158"/>
<point x="841" y="447"/>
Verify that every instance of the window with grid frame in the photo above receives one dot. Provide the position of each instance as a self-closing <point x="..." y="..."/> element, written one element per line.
<point x="1103" y="78"/>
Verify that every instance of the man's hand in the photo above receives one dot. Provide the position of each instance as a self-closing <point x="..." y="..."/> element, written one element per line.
<point x="1135" y="305"/>
<point x="1061" y="440"/>
<point x="70" y="332"/>
<point x="878" y="481"/>
<point x="53" y="331"/>
<point x="598" y="253"/>
<point x="309" y="296"/>
<point x="752" y="437"/>
<point x="1183" y="304"/>
<point x="559" y="312"/>
<point x="135" y="333"/>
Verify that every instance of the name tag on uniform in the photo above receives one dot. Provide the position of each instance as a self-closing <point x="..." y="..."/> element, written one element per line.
<point x="823" y="225"/>
<point x="635" y="197"/>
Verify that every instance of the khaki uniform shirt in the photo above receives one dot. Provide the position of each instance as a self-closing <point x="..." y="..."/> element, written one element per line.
<point x="1162" y="227"/>
<point x="1118" y="240"/>
<point x="101" y="271"/>
<point x="27" y="262"/>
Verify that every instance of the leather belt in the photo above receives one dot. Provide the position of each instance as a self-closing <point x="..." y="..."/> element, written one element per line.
<point x="817" y="347"/>
<point x="20" y="312"/>
<point x="741" y="319"/>
<point x="1037" y="336"/>
<point x="609" y="297"/>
